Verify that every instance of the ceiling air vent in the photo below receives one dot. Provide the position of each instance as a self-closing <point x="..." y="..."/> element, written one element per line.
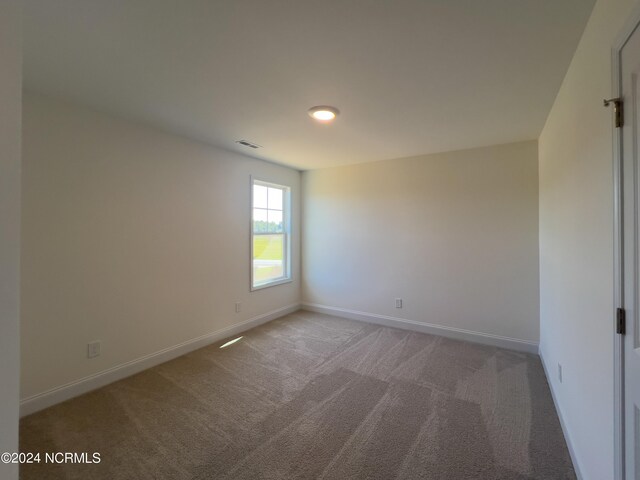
<point x="247" y="143"/>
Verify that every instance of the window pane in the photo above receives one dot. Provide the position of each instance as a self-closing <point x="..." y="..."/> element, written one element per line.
<point x="260" y="220"/>
<point x="260" y="196"/>
<point x="268" y="258"/>
<point x="270" y="262"/>
<point x="275" y="198"/>
<point x="275" y="221"/>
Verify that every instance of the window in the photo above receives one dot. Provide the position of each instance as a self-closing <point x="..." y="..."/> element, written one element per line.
<point x="270" y="234"/>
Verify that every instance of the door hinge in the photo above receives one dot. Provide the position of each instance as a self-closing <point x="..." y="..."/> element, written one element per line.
<point x="618" y="110"/>
<point x="621" y="321"/>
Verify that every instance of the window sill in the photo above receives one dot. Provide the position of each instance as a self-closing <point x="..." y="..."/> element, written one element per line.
<point x="271" y="284"/>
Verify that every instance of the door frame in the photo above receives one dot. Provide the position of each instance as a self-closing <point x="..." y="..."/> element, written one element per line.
<point x="632" y="23"/>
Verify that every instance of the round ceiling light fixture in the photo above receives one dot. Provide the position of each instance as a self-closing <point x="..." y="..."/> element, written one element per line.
<point x="323" y="113"/>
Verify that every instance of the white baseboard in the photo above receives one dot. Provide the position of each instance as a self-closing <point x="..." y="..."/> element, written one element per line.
<point x="451" y="332"/>
<point x="59" y="394"/>
<point x="567" y="437"/>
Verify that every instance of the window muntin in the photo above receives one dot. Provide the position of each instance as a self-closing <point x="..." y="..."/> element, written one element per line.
<point x="270" y="234"/>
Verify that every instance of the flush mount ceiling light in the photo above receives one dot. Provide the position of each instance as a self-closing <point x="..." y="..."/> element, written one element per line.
<point x="323" y="113"/>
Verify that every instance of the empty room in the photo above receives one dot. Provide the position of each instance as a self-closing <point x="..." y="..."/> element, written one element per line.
<point x="341" y="239"/>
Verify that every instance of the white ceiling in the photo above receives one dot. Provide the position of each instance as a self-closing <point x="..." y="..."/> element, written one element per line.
<point x="409" y="76"/>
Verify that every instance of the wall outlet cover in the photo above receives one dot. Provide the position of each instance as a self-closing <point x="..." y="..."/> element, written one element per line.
<point x="93" y="349"/>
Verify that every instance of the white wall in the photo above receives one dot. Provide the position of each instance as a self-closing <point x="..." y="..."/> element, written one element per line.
<point x="454" y="234"/>
<point x="134" y="237"/>
<point x="10" y="111"/>
<point x="576" y="244"/>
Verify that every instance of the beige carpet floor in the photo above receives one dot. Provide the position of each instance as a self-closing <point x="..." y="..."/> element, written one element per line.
<point x="314" y="396"/>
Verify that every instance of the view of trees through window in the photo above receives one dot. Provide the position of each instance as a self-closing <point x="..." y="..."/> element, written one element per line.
<point x="269" y="234"/>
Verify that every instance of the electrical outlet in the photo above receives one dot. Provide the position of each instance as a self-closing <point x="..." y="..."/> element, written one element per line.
<point x="398" y="303"/>
<point x="93" y="349"/>
<point x="238" y="307"/>
<point x="560" y="373"/>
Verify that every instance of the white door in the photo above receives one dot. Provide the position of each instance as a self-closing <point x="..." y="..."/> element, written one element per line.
<point x="630" y="75"/>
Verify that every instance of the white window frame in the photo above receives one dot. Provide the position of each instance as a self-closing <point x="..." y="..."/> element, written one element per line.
<point x="286" y="221"/>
